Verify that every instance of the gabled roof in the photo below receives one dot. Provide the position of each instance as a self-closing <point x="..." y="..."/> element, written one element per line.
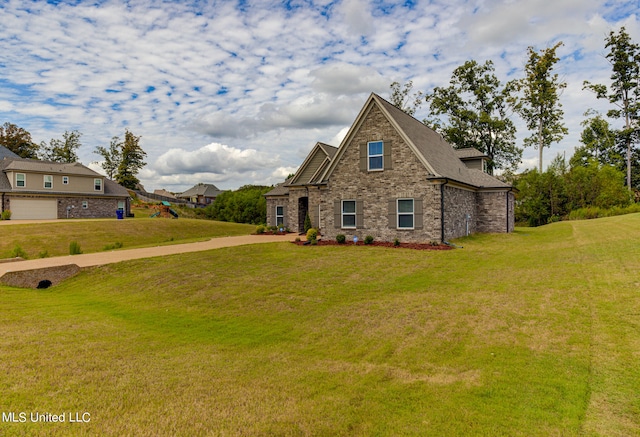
<point x="206" y="190"/>
<point x="36" y="166"/>
<point x="110" y="187"/>
<point x="438" y="157"/>
<point x="470" y="153"/>
<point x="281" y="189"/>
<point x="6" y="153"/>
<point x="314" y="165"/>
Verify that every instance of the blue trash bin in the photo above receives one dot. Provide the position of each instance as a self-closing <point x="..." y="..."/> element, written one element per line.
<point x="120" y="214"/>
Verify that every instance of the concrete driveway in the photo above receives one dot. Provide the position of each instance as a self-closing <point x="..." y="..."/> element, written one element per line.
<point x="101" y="258"/>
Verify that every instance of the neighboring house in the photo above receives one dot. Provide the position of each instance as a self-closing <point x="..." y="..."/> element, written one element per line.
<point x="393" y="177"/>
<point x="164" y="193"/>
<point x="33" y="189"/>
<point x="201" y="194"/>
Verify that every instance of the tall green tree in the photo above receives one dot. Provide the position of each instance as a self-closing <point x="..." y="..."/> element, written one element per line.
<point x="475" y="106"/>
<point x="539" y="106"/>
<point x="404" y="98"/>
<point x="131" y="162"/>
<point x="624" y="91"/>
<point x="598" y="143"/>
<point x="18" y="141"/>
<point x="111" y="156"/>
<point x="64" y="150"/>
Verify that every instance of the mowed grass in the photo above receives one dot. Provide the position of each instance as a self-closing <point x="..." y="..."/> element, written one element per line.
<point x="535" y="333"/>
<point x="53" y="239"/>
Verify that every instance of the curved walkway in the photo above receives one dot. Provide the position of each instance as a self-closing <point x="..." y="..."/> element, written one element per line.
<point x="101" y="258"/>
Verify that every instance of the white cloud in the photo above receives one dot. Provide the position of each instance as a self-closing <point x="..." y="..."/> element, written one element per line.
<point x="269" y="78"/>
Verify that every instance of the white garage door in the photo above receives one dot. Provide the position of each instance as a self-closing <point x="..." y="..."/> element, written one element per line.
<point x="29" y="209"/>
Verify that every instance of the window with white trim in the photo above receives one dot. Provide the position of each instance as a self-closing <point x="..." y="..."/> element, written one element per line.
<point x="65" y="180"/>
<point x="349" y="214"/>
<point x="21" y="180"/>
<point x="97" y="184"/>
<point x="279" y="215"/>
<point x="375" y="155"/>
<point x="405" y="211"/>
<point x="48" y="181"/>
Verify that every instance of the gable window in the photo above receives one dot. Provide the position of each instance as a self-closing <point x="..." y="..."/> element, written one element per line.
<point x="97" y="184"/>
<point x="405" y="214"/>
<point x="21" y="180"/>
<point x="279" y="215"/>
<point x="375" y="155"/>
<point x="349" y="214"/>
<point x="48" y="181"/>
<point x="65" y="180"/>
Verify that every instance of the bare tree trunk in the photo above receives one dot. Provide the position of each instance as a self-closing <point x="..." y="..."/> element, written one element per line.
<point x="540" y="145"/>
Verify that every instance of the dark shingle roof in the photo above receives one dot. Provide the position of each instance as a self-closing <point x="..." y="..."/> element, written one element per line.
<point x="6" y="153"/>
<point x="207" y="190"/>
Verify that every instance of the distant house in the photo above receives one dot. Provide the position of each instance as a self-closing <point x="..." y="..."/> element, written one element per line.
<point x="164" y="193"/>
<point x="393" y="177"/>
<point x="201" y="194"/>
<point x="33" y="189"/>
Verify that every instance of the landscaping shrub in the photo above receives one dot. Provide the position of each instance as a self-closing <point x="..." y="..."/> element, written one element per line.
<point x="74" y="248"/>
<point x="396" y="242"/>
<point x="260" y="229"/>
<point x="368" y="239"/>
<point x="307" y="223"/>
<point x="6" y="215"/>
<point x="312" y="235"/>
<point x="341" y="238"/>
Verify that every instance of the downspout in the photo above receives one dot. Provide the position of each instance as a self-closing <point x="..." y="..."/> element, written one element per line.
<point x="510" y="191"/>
<point x="442" y="209"/>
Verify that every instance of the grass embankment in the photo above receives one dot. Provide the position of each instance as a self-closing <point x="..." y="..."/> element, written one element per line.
<point x="534" y="333"/>
<point x="53" y="239"/>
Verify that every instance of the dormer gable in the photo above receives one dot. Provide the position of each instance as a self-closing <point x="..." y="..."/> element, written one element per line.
<point x="314" y="166"/>
<point x="473" y="158"/>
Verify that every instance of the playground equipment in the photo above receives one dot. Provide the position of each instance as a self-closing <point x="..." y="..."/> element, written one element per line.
<point x="165" y="211"/>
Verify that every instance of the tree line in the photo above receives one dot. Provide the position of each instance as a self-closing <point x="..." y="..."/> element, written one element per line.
<point x="122" y="160"/>
<point x="475" y="109"/>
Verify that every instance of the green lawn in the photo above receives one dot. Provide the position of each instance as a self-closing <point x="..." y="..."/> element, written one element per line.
<point x="53" y="239"/>
<point x="535" y="333"/>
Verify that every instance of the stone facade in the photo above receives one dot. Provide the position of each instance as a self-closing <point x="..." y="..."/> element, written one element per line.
<point x="404" y="178"/>
<point x="450" y="197"/>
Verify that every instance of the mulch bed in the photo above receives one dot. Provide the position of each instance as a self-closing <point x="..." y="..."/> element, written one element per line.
<point x="416" y="246"/>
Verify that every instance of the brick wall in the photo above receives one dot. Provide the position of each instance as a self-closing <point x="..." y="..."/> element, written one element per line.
<point x="96" y="207"/>
<point x="493" y="210"/>
<point x="459" y="204"/>
<point x="405" y="179"/>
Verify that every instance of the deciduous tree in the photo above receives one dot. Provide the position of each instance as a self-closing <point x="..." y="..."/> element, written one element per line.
<point x="624" y="91"/>
<point x="539" y="105"/>
<point x="403" y="97"/>
<point x="18" y="141"/>
<point x="111" y="156"/>
<point x="475" y="106"/>
<point x="64" y="150"/>
<point x="131" y="162"/>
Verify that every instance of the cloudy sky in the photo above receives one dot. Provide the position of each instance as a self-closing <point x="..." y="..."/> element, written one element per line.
<point x="237" y="92"/>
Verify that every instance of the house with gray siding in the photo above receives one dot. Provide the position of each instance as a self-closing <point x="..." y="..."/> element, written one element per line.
<point x="393" y="177"/>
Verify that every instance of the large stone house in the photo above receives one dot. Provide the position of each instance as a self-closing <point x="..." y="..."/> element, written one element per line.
<point x="33" y="189"/>
<point x="393" y="177"/>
